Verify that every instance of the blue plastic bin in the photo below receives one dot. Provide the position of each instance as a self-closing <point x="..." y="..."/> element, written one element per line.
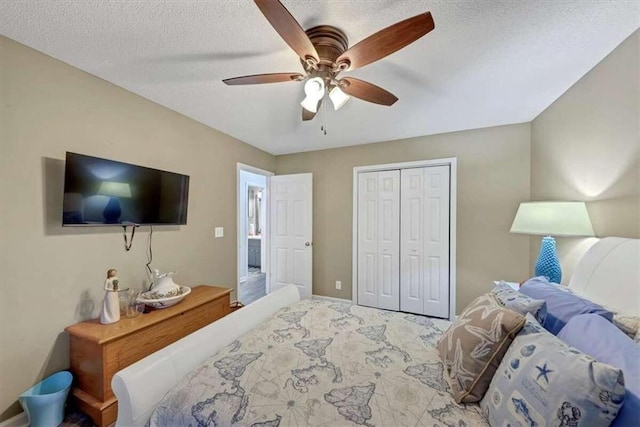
<point x="44" y="402"/>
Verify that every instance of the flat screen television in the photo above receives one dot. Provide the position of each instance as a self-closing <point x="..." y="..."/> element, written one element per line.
<point x="106" y="192"/>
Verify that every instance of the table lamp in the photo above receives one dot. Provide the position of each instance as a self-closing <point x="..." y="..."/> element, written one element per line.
<point x="552" y="218"/>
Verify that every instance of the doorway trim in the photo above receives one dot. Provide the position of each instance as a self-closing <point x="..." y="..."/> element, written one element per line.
<point x="452" y="162"/>
<point x="248" y="168"/>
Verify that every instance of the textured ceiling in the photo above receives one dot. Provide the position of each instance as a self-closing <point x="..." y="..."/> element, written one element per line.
<point x="487" y="63"/>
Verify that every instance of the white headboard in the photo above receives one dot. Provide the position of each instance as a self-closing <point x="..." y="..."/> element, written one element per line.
<point x="609" y="274"/>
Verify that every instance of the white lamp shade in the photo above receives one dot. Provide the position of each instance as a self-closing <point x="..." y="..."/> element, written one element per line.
<point x="552" y="219"/>
<point x="310" y="104"/>
<point x="314" y="89"/>
<point x="338" y="97"/>
<point x="114" y="189"/>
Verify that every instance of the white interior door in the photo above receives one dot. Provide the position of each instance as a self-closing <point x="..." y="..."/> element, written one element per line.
<point x="378" y="239"/>
<point x="290" y="217"/>
<point x="425" y="241"/>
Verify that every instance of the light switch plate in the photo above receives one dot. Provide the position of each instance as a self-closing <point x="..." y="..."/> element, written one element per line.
<point x="219" y="232"/>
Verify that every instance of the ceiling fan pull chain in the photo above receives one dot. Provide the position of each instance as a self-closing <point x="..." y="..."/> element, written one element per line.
<point x="323" y="128"/>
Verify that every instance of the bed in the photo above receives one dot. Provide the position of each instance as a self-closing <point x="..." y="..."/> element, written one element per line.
<point x="282" y="361"/>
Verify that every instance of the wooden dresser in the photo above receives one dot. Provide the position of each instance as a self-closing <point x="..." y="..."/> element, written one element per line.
<point x="99" y="351"/>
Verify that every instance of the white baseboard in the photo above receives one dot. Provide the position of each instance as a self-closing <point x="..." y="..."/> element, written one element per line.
<point x="322" y="297"/>
<point x="19" y="420"/>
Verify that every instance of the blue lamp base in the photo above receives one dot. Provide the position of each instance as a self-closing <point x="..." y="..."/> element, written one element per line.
<point x="548" y="264"/>
<point x="112" y="211"/>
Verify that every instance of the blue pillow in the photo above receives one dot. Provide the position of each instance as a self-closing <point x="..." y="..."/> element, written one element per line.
<point x="614" y="348"/>
<point x="543" y="381"/>
<point x="561" y="305"/>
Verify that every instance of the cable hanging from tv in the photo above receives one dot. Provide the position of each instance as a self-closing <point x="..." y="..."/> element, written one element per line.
<point x="150" y="257"/>
<point x="127" y="244"/>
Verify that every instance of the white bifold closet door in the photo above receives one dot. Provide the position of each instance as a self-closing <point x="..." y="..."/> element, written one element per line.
<point x="379" y="239"/>
<point x="424" y="247"/>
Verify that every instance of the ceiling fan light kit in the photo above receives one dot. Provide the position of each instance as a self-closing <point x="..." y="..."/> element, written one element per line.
<point x="315" y="89"/>
<point x="338" y="97"/>
<point x="324" y="53"/>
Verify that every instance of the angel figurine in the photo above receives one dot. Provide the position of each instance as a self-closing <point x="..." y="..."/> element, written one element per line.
<point x="111" y="306"/>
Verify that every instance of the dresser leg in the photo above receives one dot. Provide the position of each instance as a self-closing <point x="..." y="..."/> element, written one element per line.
<point x="102" y="413"/>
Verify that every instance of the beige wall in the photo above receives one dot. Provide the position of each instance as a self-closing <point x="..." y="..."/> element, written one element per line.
<point x="493" y="178"/>
<point x="583" y="147"/>
<point x="52" y="277"/>
<point x="586" y="146"/>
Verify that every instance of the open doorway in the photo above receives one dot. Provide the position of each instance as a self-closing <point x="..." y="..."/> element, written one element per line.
<point x="252" y="233"/>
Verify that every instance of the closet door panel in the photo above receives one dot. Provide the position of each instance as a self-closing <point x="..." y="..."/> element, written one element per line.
<point x="389" y="240"/>
<point x="436" y="274"/>
<point x="412" y="240"/>
<point x="424" y="248"/>
<point x="368" y="239"/>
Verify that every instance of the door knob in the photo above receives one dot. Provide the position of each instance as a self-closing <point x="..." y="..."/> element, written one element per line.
<point x="307" y="243"/>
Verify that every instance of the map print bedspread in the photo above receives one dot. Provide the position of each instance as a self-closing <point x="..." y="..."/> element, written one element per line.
<point x="320" y="363"/>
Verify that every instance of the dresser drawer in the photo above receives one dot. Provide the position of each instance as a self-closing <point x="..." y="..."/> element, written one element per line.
<point x="135" y="346"/>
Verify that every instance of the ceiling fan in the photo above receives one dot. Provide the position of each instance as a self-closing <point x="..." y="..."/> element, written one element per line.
<point x="324" y="53"/>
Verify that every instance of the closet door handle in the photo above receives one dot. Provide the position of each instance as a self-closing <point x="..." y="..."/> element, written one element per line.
<point x="307" y="243"/>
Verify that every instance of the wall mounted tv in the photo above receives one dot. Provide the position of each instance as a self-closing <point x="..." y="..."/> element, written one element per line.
<point x="105" y="192"/>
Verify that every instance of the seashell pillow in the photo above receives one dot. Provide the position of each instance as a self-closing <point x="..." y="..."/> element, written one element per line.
<point x="543" y="381"/>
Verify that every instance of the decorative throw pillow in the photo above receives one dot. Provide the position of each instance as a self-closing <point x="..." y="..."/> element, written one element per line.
<point x="561" y="305"/>
<point x="630" y="325"/>
<point x="543" y="381"/>
<point x="520" y="302"/>
<point x="473" y="346"/>
<point x="595" y="336"/>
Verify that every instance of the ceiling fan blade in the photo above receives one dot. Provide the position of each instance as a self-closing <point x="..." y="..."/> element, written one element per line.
<point x="308" y="115"/>
<point x="386" y="41"/>
<point x="288" y="28"/>
<point x="367" y="91"/>
<point x="264" y="78"/>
